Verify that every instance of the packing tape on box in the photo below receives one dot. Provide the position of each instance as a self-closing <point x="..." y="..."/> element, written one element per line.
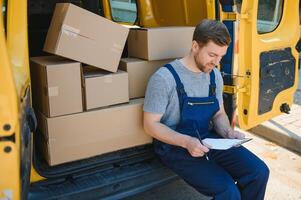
<point x="114" y="50"/>
<point x="117" y="48"/>
<point x="53" y="91"/>
<point x="108" y="79"/>
<point x="70" y="31"/>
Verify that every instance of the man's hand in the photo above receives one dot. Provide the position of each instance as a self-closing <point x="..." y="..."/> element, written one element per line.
<point x="195" y="148"/>
<point x="233" y="134"/>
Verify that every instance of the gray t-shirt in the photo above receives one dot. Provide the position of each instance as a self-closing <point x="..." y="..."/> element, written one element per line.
<point x="161" y="95"/>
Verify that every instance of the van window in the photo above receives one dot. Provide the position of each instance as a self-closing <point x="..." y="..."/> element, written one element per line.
<point x="269" y="15"/>
<point x="124" y="10"/>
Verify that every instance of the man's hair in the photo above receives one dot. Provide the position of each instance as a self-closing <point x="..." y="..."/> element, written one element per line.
<point x="211" y="30"/>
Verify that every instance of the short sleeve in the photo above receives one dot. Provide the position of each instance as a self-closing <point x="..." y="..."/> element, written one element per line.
<point x="219" y="87"/>
<point x="156" y="96"/>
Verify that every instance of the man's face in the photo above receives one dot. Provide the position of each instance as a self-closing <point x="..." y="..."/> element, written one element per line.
<point x="208" y="56"/>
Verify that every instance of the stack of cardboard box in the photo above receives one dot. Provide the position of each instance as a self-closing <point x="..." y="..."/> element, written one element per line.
<point x="88" y="100"/>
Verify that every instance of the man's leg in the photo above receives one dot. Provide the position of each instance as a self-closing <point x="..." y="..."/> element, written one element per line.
<point x="248" y="170"/>
<point x="205" y="176"/>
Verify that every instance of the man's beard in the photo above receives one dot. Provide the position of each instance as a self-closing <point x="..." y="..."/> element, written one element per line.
<point x="199" y="65"/>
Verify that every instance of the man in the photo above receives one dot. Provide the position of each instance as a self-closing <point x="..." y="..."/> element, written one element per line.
<point x="181" y="100"/>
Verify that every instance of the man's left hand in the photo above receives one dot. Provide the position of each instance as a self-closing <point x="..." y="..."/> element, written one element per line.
<point x="233" y="134"/>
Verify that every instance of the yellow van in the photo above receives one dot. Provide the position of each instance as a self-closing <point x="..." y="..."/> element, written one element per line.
<point x="260" y="73"/>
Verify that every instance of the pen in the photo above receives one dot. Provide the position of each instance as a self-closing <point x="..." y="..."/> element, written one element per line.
<point x="197" y="131"/>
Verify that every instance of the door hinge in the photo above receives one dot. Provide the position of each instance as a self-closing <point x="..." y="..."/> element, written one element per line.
<point x="246" y="16"/>
<point x="233" y="89"/>
<point x="228" y="16"/>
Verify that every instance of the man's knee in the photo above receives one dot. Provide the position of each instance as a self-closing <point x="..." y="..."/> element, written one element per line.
<point x="265" y="172"/>
<point x="262" y="172"/>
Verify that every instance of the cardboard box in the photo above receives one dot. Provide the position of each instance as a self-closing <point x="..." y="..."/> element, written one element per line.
<point x="104" y="88"/>
<point x="160" y="43"/>
<point x="92" y="133"/>
<point x="56" y="85"/>
<point x="80" y="35"/>
<point x="139" y="72"/>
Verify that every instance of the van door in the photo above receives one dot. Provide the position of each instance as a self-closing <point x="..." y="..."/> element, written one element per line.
<point x="9" y="149"/>
<point x="269" y="31"/>
<point x="16" y="114"/>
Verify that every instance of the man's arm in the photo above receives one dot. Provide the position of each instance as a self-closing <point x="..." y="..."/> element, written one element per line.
<point x="223" y="127"/>
<point x="156" y="129"/>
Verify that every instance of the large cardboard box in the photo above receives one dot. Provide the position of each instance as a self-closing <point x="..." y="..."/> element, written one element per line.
<point x="56" y="85"/>
<point x="87" y="134"/>
<point x="80" y="35"/>
<point x="139" y="72"/>
<point x="160" y="43"/>
<point x="104" y="88"/>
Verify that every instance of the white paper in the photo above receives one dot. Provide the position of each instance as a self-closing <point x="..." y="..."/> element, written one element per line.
<point x="223" y="144"/>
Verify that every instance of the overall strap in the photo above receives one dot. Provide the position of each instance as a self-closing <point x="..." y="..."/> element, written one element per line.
<point x="212" y="86"/>
<point x="180" y="87"/>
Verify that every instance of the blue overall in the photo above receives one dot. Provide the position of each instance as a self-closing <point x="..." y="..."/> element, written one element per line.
<point x="227" y="175"/>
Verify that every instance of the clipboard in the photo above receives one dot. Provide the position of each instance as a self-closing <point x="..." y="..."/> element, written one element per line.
<point x="223" y="143"/>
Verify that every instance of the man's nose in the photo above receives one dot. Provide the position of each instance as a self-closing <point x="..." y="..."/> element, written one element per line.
<point x="217" y="60"/>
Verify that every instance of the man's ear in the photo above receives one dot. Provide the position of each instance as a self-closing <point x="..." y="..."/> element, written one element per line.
<point x="195" y="46"/>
